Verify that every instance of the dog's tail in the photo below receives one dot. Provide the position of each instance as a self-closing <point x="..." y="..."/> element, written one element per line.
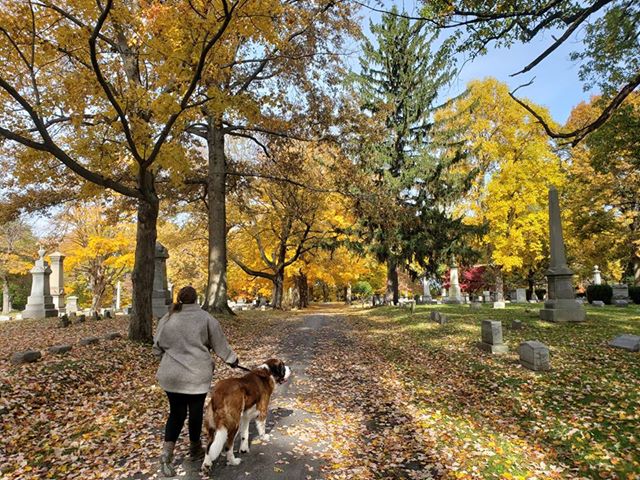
<point x="218" y="443"/>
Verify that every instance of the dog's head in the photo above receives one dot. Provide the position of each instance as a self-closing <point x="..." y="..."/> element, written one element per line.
<point x="278" y="370"/>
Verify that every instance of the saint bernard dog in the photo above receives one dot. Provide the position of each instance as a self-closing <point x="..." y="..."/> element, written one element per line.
<point x="234" y="403"/>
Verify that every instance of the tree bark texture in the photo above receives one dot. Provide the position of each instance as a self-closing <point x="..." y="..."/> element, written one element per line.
<point x="392" y="294"/>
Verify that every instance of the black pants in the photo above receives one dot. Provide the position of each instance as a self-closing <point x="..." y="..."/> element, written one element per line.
<point x="179" y="403"/>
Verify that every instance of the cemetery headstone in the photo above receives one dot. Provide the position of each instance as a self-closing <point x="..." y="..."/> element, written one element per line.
<point x="28" y="356"/>
<point x="486" y="296"/>
<point x="521" y="295"/>
<point x="59" y="349"/>
<point x="561" y="305"/>
<point x="64" y="321"/>
<point x="492" y="337"/>
<point x="620" y="297"/>
<point x="597" y="303"/>
<point x="40" y="303"/>
<point x="627" y="342"/>
<point x="160" y="298"/>
<point x="57" y="280"/>
<point x="72" y="304"/>
<point x="597" y="278"/>
<point x="435" y="315"/>
<point x="475" y="305"/>
<point x="534" y="355"/>
<point x="516" y="324"/>
<point x="455" y="294"/>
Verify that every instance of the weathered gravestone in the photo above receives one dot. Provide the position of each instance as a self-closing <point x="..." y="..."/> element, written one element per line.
<point x="455" y="294"/>
<point x="597" y="303"/>
<point x="439" y="317"/>
<point x="561" y="305"/>
<point x="72" y="304"/>
<point x="27" y="356"/>
<point x="57" y="280"/>
<point x="475" y="305"/>
<point x="534" y="355"/>
<point x="40" y="303"/>
<point x="521" y="295"/>
<point x="516" y="324"/>
<point x="160" y="298"/>
<point x="620" y="297"/>
<point x="626" y="342"/>
<point x="492" y="337"/>
<point x="64" y="321"/>
<point x="59" y="349"/>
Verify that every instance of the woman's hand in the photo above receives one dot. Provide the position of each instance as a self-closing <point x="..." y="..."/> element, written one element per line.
<point x="235" y="363"/>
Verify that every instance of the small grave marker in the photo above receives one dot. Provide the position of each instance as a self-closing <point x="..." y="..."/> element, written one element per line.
<point x="534" y="355"/>
<point x="627" y="342"/>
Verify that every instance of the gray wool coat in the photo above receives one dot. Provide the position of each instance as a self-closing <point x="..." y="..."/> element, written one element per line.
<point x="183" y="341"/>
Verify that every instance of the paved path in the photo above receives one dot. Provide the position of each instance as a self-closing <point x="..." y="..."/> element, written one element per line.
<point x="285" y="455"/>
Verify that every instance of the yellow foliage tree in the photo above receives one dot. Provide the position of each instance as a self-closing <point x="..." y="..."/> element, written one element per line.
<point x="99" y="249"/>
<point x="516" y="164"/>
<point x="286" y="214"/>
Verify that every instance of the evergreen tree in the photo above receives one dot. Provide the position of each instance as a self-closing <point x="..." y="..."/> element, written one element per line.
<point x="404" y="204"/>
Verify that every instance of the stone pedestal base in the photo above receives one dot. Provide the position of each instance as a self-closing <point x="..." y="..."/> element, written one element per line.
<point x="453" y="300"/>
<point x="562" y="311"/>
<point x="487" y="347"/>
<point x="499" y="305"/>
<point x="42" y="310"/>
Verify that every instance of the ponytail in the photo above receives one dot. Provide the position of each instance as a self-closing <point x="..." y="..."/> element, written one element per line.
<point x="185" y="295"/>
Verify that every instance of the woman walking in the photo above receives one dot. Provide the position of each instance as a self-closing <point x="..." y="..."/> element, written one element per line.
<point x="183" y="341"/>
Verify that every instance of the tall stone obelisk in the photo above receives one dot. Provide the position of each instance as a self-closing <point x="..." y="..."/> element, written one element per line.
<point x="56" y="280"/>
<point x="40" y="303"/>
<point x="561" y="305"/>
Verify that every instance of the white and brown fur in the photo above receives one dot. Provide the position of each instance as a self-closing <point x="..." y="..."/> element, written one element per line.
<point x="234" y="403"/>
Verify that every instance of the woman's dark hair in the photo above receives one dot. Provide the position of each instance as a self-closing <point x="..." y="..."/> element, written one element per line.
<point x="185" y="295"/>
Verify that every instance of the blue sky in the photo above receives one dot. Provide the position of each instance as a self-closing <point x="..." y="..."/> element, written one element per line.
<point x="556" y="84"/>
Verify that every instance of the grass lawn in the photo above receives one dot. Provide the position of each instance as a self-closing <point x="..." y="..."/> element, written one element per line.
<point x="488" y="417"/>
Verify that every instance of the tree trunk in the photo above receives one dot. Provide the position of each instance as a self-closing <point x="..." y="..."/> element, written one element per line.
<point x="303" y="288"/>
<point x="278" y="288"/>
<point x="6" y="296"/>
<point x="140" y="326"/>
<point x="532" y="285"/>
<point x="216" y="295"/>
<point x="499" y="286"/>
<point x="347" y="294"/>
<point x="392" y="294"/>
<point x="325" y="292"/>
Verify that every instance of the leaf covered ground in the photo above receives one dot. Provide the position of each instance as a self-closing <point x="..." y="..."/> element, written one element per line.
<point x="386" y="394"/>
<point x="488" y="417"/>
